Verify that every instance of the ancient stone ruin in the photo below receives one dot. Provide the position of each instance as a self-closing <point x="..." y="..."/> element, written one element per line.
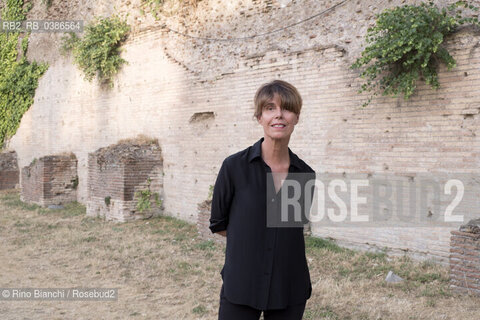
<point x="50" y="180"/>
<point x="124" y="176"/>
<point x="465" y="258"/>
<point x="9" y="173"/>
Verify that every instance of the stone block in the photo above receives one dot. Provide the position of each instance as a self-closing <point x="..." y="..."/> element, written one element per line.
<point x="50" y="180"/>
<point x="119" y="174"/>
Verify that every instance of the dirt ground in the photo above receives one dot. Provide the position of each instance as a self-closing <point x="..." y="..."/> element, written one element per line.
<point x="163" y="270"/>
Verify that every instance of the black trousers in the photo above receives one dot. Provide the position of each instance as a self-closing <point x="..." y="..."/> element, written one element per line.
<point x="232" y="311"/>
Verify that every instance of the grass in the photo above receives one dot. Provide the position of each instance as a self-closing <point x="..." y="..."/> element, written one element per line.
<point x="315" y="243"/>
<point x="199" y="310"/>
<point x="323" y="313"/>
<point x="207" y="245"/>
<point x="163" y="269"/>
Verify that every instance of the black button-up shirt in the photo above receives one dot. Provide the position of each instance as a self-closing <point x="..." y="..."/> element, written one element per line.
<point x="265" y="267"/>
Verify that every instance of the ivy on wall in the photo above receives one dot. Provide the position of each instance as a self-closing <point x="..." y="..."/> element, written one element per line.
<point x="18" y="77"/>
<point x="98" y="52"/>
<point x="405" y="44"/>
<point x="47" y="3"/>
<point x="166" y="7"/>
<point x="144" y="197"/>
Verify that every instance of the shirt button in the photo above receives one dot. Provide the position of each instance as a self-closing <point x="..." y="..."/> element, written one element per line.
<point x="273" y="199"/>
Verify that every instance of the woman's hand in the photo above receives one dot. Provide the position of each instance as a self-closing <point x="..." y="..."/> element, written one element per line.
<point x="222" y="233"/>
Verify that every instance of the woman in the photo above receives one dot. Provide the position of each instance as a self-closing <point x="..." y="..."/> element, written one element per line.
<point x="265" y="267"/>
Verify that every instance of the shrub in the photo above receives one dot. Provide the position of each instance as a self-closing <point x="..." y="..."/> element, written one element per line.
<point x="98" y="52"/>
<point x="18" y="77"/>
<point x="406" y="43"/>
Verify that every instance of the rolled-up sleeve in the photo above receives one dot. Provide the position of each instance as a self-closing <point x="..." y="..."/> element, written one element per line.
<point x="310" y="194"/>
<point x="222" y="198"/>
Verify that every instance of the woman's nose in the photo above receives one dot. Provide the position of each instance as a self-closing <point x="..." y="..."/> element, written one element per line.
<point x="278" y="113"/>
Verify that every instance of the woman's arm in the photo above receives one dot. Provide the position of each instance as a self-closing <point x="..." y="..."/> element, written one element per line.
<point x="221" y="200"/>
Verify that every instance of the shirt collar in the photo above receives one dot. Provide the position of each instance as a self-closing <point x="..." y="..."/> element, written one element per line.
<point x="256" y="152"/>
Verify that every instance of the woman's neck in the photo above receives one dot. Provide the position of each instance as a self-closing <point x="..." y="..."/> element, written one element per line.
<point x="275" y="151"/>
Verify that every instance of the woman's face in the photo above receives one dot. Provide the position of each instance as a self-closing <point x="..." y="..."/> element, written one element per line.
<point x="277" y="123"/>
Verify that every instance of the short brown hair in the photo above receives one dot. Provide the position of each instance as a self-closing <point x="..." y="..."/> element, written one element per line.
<point x="289" y="97"/>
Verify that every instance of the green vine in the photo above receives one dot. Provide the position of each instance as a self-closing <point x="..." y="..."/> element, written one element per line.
<point x="18" y="77"/>
<point x="405" y="44"/>
<point x="47" y="3"/>
<point x="145" y="196"/>
<point x="166" y="7"/>
<point x="155" y="7"/>
<point x="75" y="182"/>
<point x="210" y="192"/>
<point x="98" y="52"/>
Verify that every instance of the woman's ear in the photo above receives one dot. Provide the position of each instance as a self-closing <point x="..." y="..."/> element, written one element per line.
<point x="298" y="118"/>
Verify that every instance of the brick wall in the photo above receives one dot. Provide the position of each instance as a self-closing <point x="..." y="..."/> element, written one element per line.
<point x="116" y="173"/>
<point x="465" y="262"/>
<point x="50" y="180"/>
<point x="171" y="78"/>
<point x="8" y="170"/>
